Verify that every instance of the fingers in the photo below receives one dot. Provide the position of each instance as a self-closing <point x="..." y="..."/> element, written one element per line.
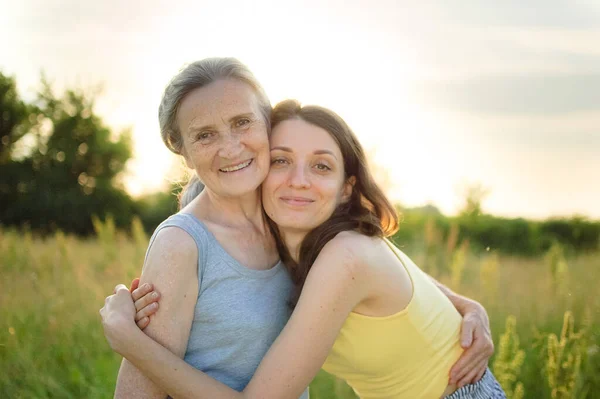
<point x="461" y="367"/>
<point x="134" y="284"/>
<point x="482" y="336"/>
<point x="143" y="323"/>
<point x="141" y="291"/>
<point x="146" y="311"/>
<point x="479" y="347"/>
<point x="473" y="362"/>
<point x="472" y="375"/>
<point x="481" y="372"/>
<point x="468" y="329"/>
<point x="120" y="288"/>
<point x="146" y="300"/>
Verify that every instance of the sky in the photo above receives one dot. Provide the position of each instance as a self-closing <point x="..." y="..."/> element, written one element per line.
<point x="444" y="94"/>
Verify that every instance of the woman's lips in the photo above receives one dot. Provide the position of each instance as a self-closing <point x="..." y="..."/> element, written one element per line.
<point x="296" y="201"/>
<point x="236" y="167"/>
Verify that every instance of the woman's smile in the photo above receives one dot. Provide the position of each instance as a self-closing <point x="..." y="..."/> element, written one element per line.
<point x="296" y="201"/>
<point x="236" y="167"/>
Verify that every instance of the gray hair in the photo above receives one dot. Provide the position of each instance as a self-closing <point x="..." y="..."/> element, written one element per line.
<point x="196" y="75"/>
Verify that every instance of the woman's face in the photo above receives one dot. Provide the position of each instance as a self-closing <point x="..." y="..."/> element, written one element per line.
<point x="306" y="181"/>
<point x="225" y="137"/>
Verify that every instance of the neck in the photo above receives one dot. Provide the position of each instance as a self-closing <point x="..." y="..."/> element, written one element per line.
<point x="237" y="212"/>
<point x="292" y="239"/>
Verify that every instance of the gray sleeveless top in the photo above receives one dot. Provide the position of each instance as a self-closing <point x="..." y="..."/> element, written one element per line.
<point x="239" y="311"/>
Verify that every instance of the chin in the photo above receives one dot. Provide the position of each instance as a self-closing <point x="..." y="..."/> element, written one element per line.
<point x="299" y="225"/>
<point x="244" y="190"/>
<point x="244" y="187"/>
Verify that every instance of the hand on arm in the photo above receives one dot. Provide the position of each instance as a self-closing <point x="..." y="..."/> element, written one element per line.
<point x="476" y="339"/>
<point x="172" y="266"/>
<point x="146" y="302"/>
<point x="294" y="358"/>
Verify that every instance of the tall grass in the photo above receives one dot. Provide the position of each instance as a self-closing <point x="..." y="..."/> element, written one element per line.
<point x="51" y="342"/>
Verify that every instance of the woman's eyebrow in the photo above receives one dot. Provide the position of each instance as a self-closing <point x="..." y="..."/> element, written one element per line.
<point x="193" y="129"/>
<point x="316" y="152"/>
<point x="286" y="149"/>
<point x="248" y="114"/>
<point x="321" y="152"/>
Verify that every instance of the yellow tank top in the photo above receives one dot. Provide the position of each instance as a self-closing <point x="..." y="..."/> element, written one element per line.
<point x="405" y="355"/>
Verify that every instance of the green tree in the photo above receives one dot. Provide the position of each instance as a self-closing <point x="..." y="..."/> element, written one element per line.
<point x="71" y="170"/>
<point x="13" y="117"/>
<point x="474" y="196"/>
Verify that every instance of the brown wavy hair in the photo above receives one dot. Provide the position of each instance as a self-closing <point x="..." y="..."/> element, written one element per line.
<point x="368" y="211"/>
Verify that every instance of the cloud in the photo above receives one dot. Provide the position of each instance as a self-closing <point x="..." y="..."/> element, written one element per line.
<point x="530" y="13"/>
<point x="526" y="94"/>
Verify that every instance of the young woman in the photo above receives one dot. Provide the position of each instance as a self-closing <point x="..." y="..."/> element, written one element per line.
<point x="365" y="311"/>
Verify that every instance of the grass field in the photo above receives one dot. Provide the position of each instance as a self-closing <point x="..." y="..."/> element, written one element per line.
<point x="51" y="342"/>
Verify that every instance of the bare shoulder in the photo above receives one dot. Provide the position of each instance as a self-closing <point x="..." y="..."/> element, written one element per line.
<point x="171" y="266"/>
<point x="348" y="250"/>
<point x="172" y="249"/>
<point x="355" y="244"/>
<point x="174" y="238"/>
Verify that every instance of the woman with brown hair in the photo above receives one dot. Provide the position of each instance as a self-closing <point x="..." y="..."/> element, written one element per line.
<point x="363" y="310"/>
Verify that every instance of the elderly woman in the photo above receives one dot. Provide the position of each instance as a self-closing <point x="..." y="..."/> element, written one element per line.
<point x="224" y="290"/>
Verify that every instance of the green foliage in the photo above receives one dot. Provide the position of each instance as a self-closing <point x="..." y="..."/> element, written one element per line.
<point x="577" y="233"/>
<point x="507" y="235"/>
<point x="326" y="386"/>
<point x="14" y="115"/>
<point x="509" y="360"/>
<point x="488" y="275"/>
<point x="140" y="238"/>
<point x="156" y="207"/>
<point x="563" y="363"/>
<point x="426" y="227"/>
<point x="558" y="267"/>
<point x="106" y="233"/>
<point x="458" y="263"/>
<point x="51" y="342"/>
<point x="69" y="170"/>
<point x="474" y="196"/>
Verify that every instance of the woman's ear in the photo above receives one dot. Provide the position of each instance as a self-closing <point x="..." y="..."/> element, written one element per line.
<point x="348" y="187"/>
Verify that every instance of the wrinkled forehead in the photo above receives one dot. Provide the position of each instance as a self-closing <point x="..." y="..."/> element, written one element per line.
<point x="216" y="102"/>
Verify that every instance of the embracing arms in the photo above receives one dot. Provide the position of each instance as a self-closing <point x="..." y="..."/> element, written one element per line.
<point x="292" y="361"/>
<point x="171" y="266"/>
<point x="476" y="336"/>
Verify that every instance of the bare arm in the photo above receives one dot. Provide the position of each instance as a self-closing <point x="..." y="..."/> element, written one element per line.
<point x="294" y="358"/>
<point x="171" y="265"/>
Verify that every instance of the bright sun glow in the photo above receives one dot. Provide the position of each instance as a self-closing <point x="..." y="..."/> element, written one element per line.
<point x="368" y="90"/>
<point x="410" y="81"/>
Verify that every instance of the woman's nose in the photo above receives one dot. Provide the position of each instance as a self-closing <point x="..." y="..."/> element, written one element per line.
<point x="299" y="178"/>
<point x="232" y="146"/>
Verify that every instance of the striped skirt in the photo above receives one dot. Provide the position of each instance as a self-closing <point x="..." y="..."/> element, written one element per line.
<point x="486" y="388"/>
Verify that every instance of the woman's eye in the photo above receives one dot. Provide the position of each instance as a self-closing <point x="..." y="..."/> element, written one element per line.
<point x="204" y="135"/>
<point x="322" y="167"/>
<point x="278" y="161"/>
<point x="242" y="122"/>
